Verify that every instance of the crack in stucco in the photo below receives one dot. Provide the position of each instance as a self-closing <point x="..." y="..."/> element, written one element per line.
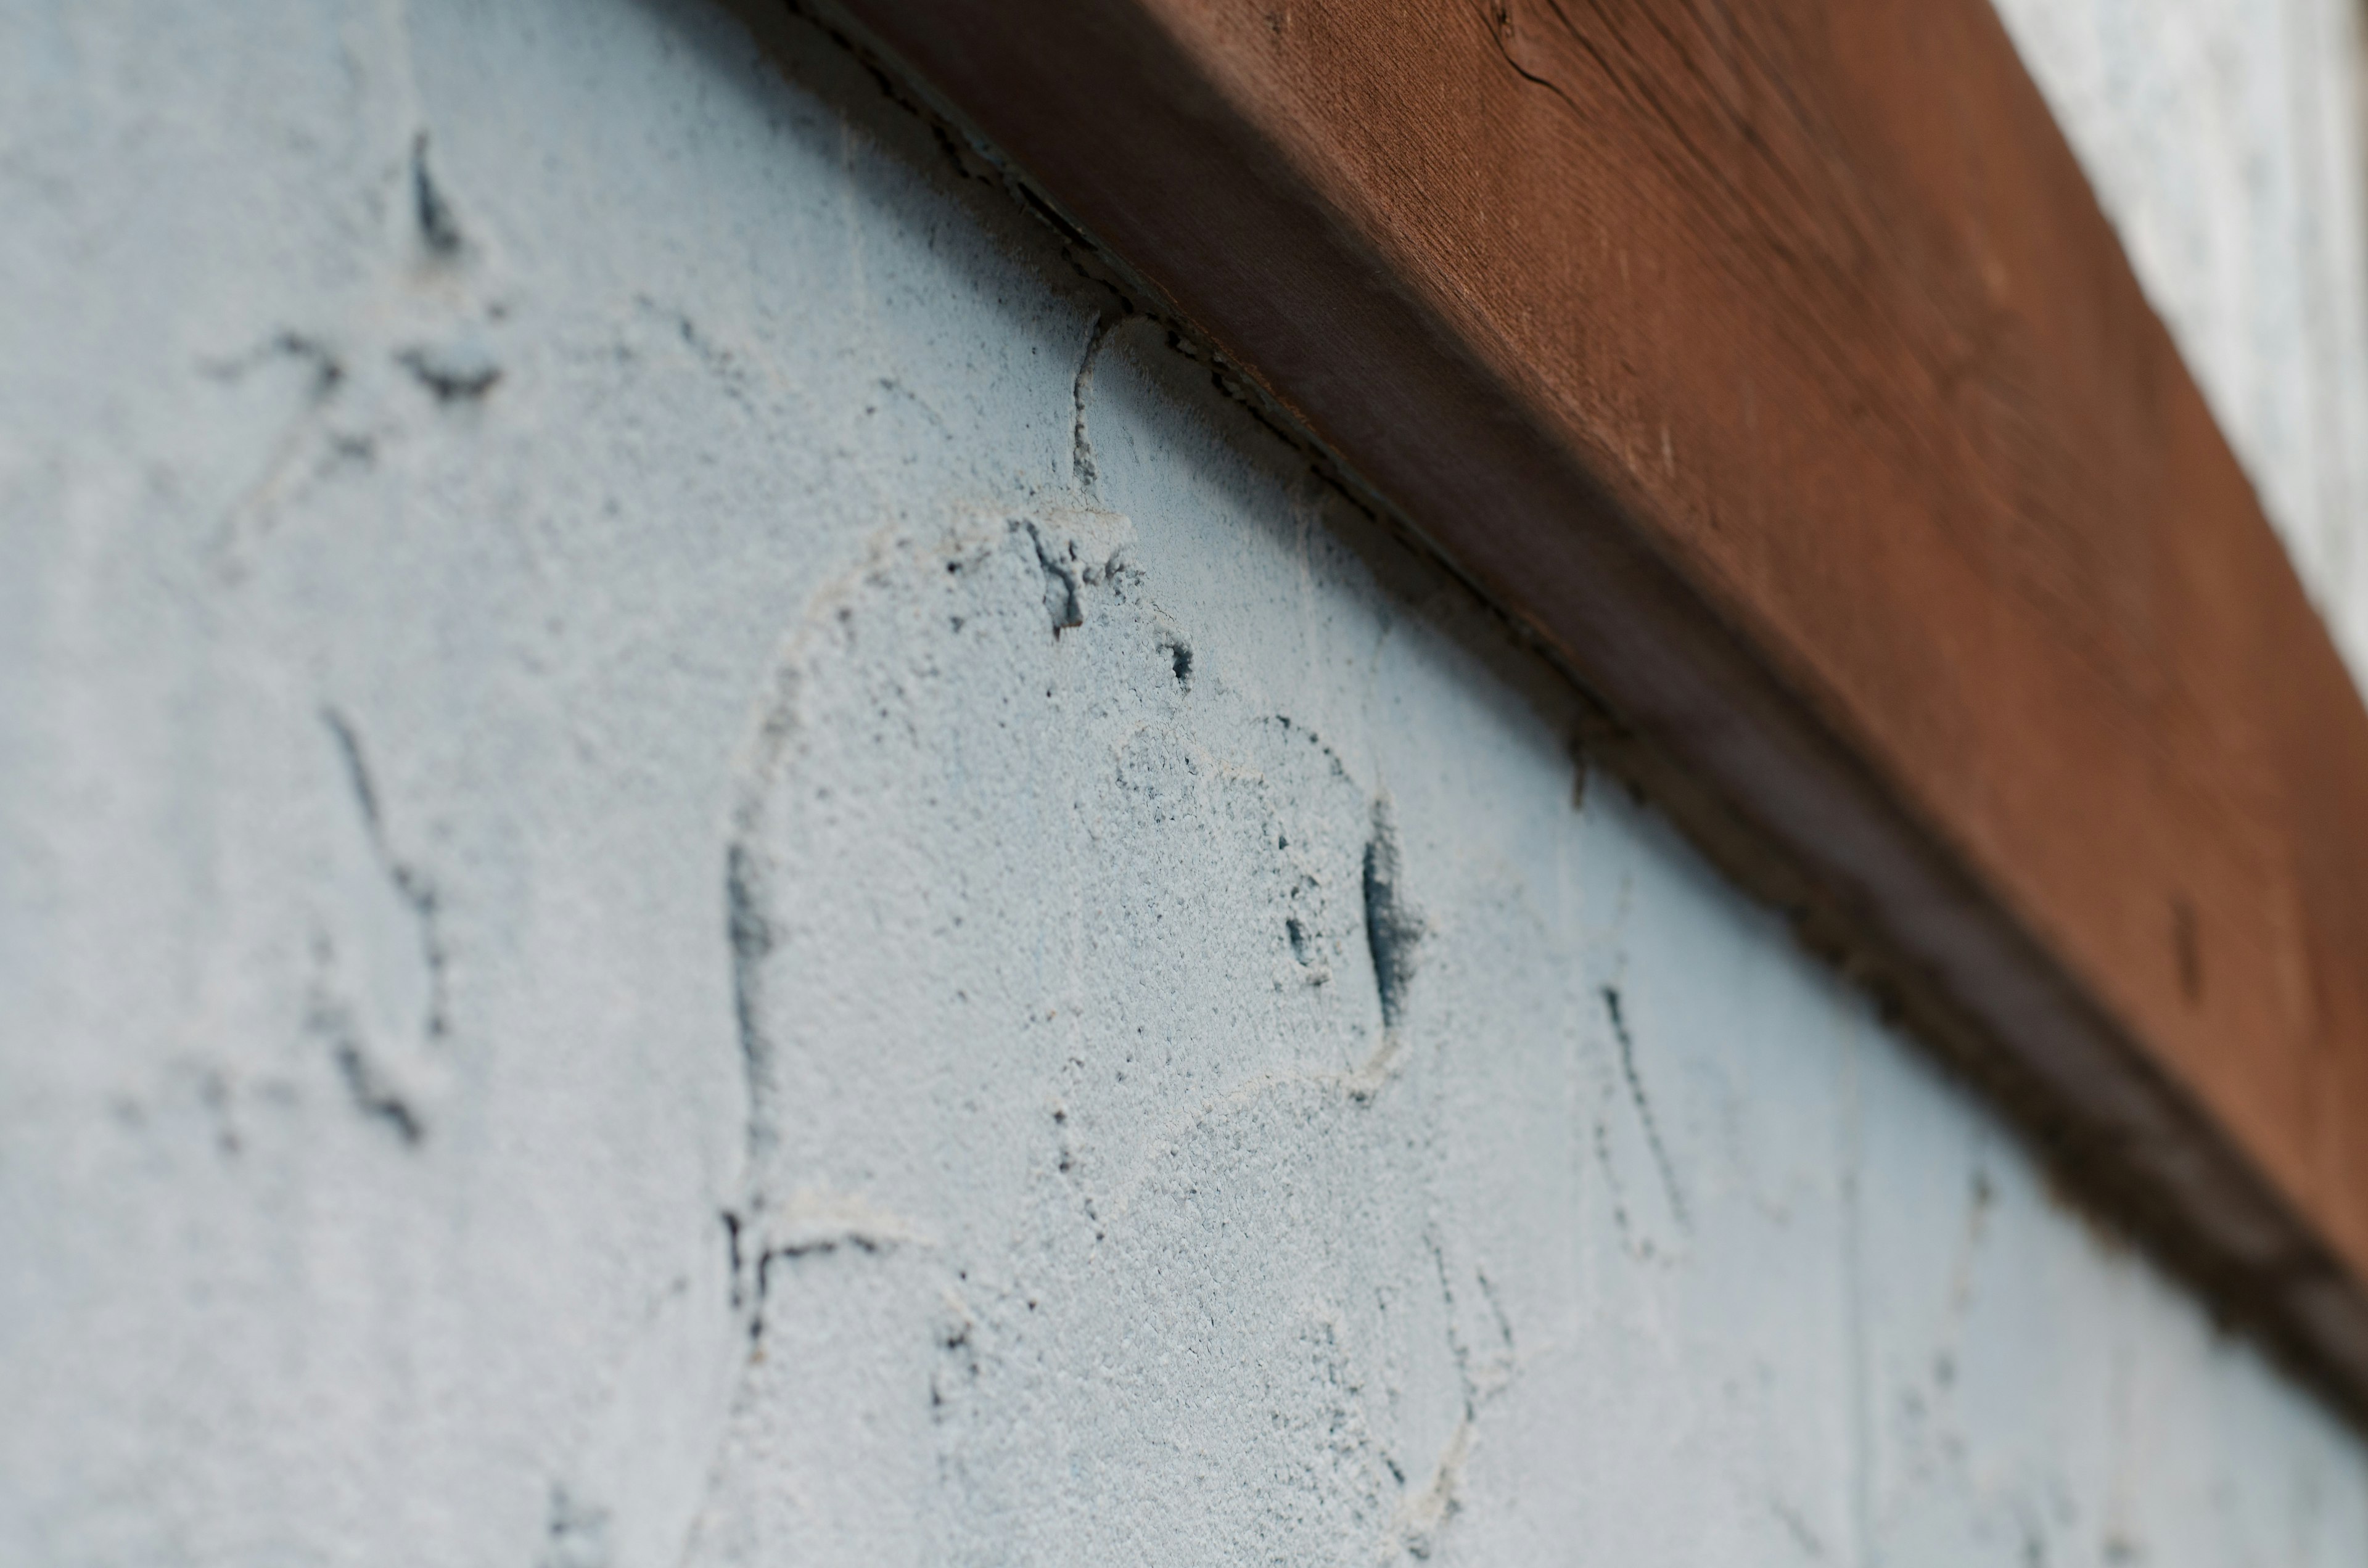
<point x="257" y="498"/>
<point x="1634" y="1082"/>
<point x="809" y="1223"/>
<point x="413" y="886"/>
<point x="1423" y="1513"/>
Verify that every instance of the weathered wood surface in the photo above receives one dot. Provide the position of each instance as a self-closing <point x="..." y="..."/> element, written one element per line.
<point x="1772" y="361"/>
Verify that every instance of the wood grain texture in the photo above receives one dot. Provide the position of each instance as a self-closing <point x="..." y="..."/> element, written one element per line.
<point x="1772" y="361"/>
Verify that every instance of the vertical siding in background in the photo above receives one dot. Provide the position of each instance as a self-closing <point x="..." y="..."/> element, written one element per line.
<point x="2224" y="140"/>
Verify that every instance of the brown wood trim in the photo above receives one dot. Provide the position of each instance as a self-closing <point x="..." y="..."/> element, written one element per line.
<point x="1772" y="361"/>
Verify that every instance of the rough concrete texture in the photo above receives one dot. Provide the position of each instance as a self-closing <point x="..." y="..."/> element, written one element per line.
<point x="700" y="866"/>
<point x="2225" y="139"/>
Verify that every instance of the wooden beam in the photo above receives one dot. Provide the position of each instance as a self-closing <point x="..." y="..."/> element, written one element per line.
<point x="1772" y="361"/>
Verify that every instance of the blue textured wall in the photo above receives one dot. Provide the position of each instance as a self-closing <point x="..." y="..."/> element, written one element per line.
<point x="698" y="866"/>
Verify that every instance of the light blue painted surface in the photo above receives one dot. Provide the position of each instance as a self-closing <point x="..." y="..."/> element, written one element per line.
<point x="458" y="848"/>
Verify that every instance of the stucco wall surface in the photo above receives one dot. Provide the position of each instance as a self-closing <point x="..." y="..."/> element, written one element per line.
<point x="2226" y="141"/>
<point x="699" y="866"/>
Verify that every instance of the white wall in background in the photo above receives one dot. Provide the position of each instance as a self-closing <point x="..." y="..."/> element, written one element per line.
<point x="2227" y="141"/>
<point x="696" y="868"/>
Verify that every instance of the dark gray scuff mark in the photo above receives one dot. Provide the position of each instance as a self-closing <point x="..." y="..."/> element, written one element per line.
<point x="751" y="937"/>
<point x="1612" y="1178"/>
<point x="414" y="888"/>
<point x="1496" y="1309"/>
<point x="738" y="1265"/>
<point x="1804" y="1538"/>
<point x="374" y="1098"/>
<point x="463" y="370"/>
<point x="576" y="1533"/>
<point x="730" y="371"/>
<point x="1393" y="929"/>
<point x="1644" y="1107"/>
<point x="1081" y="451"/>
<point x="960" y="1367"/>
<point x="358" y="774"/>
<point x="1332" y="759"/>
<point x="439" y="231"/>
<point x="214" y="1094"/>
<point x="328" y="372"/>
<point x="371" y="1093"/>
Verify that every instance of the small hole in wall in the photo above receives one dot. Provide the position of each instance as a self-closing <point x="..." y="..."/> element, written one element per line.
<point x="2187" y="950"/>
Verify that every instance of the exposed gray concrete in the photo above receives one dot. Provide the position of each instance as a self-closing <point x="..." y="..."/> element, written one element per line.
<point x="2226" y="141"/>
<point x="696" y="868"/>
